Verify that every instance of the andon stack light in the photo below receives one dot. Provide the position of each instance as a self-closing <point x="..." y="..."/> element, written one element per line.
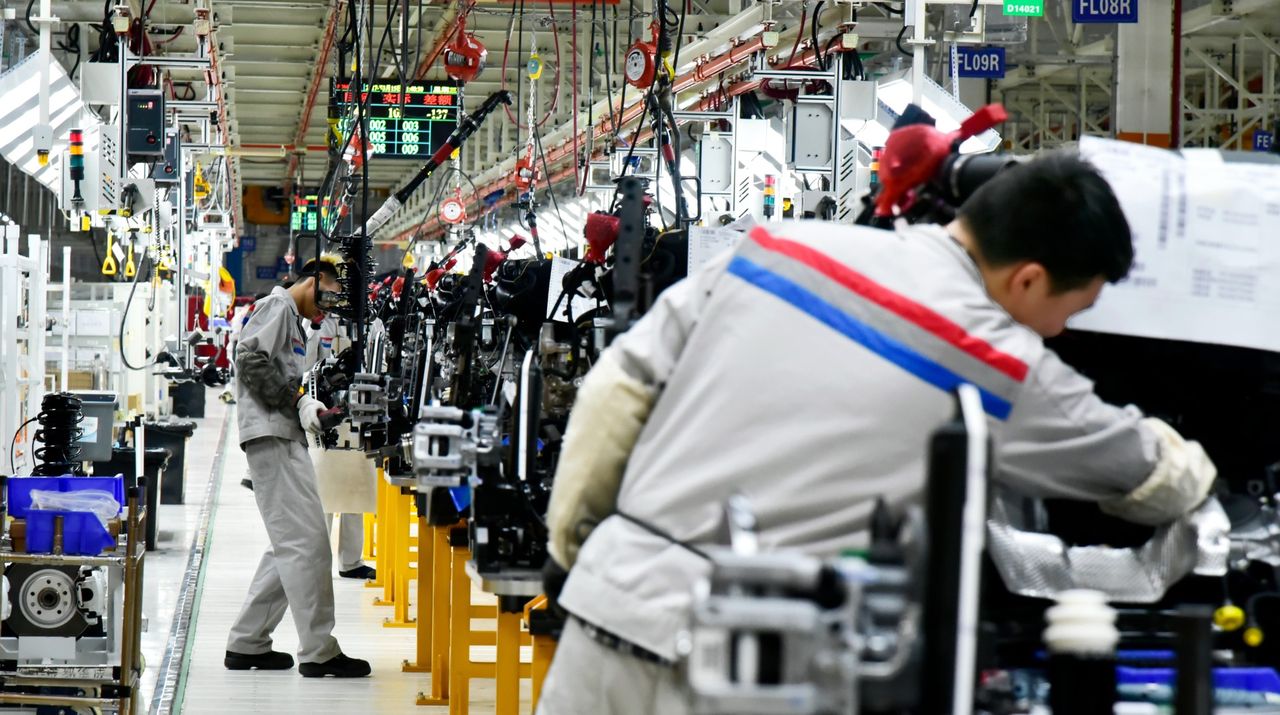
<point x="875" y="166"/>
<point x="76" y="163"/>
<point x="769" y="195"/>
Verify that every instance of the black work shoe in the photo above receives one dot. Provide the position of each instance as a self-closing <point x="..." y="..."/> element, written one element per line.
<point x="272" y="660"/>
<point x="339" y="666"/>
<point x="363" y="572"/>
<point x="247" y="484"/>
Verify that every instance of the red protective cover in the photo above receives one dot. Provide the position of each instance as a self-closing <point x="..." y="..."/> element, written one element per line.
<point x="600" y="231"/>
<point x="913" y="154"/>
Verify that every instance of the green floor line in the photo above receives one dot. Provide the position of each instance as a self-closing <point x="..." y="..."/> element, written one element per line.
<point x="213" y="497"/>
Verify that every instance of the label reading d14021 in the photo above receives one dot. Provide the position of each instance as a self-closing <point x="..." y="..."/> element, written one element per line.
<point x="1104" y="11"/>
<point x="985" y="62"/>
<point x="1024" y="8"/>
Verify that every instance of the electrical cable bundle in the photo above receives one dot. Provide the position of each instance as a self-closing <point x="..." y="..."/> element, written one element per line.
<point x="59" y="432"/>
<point x="143" y="268"/>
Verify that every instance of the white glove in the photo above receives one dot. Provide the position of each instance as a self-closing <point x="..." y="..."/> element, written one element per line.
<point x="309" y="409"/>
<point x="1179" y="483"/>
<point x="610" y="410"/>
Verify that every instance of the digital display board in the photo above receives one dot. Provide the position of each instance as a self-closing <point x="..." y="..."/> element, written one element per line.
<point x="406" y="121"/>
<point x="304" y="217"/>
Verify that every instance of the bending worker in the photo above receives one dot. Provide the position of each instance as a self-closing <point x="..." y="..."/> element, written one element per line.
<point x="806" y="370"/>
<point x="272" y="413"/>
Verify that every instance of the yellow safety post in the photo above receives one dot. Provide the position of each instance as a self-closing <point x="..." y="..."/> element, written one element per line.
<point x="544" y="646"/>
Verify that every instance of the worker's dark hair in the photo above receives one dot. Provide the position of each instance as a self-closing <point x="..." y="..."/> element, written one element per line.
<point x="1058" y="211"/>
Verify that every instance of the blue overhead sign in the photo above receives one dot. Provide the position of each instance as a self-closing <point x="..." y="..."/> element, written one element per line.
<point x="1104" y="11"/>
<point x="985" y="62"/>
<point x="266" y="273"/>
<point x="1262" y="140"/>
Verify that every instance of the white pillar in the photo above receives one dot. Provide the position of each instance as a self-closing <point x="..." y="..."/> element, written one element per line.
<point x="1144" y="76"/>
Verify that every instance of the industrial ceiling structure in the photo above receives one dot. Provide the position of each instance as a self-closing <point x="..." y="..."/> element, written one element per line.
<point x="276" y="59"/>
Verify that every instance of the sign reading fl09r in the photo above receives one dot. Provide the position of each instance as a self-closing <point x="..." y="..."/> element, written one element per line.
<point x="984" y="62"/>
<point x="1104" y="11"/>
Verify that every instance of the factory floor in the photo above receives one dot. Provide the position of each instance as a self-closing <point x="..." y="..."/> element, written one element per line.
<point x="185" y="675"/>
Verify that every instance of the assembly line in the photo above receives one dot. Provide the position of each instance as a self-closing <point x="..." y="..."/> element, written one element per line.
<point x="705" y="357"/>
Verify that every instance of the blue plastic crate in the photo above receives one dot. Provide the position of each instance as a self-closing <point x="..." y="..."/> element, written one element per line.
<point x="20" y="489"/>
<point x="82" y="533"/>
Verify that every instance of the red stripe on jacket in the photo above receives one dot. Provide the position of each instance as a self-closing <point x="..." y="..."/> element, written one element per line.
<point x="895" y="303"/>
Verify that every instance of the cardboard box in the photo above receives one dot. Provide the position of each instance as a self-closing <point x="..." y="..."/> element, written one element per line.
<point x="79" y="380"/>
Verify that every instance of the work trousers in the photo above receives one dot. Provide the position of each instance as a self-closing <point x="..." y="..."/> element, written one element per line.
<point x="587" y="678"/>
<point x="350" y="539"/>
<point x="295" y="570"/>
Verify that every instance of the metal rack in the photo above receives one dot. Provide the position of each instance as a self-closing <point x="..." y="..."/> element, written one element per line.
<point x="116" y="686"/>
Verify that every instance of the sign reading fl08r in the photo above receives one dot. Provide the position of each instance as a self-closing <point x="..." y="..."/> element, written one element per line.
<point x="985" y="62"/>
<point x="1104" y="11"/>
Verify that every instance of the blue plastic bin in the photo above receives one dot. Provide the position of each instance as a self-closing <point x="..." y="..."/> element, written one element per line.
<point x="20" y="489"/>
<point x="82" y="533"/>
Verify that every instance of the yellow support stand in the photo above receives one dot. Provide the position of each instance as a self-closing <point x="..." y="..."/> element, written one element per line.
<point x="435" y="612"/>
<point x="380" y="550"/>
<point x="426" y="599"/>
<point x="507" y="664"/>
<point x="445" y="634"/>
<point x="388" y="504"/>
<point x="404" y="572"/>
<point x="461" y="669"/>
<point x="544" y="647"/>
<point x="370" y="521"/>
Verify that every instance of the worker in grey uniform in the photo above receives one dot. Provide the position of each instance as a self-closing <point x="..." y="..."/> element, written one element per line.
<point x="322" y="339"/>
<point x="806" y="370"/>
<point x="272" y="414"/>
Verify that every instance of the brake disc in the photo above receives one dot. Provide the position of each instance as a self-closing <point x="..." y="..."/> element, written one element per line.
<point x="44" y="601"/>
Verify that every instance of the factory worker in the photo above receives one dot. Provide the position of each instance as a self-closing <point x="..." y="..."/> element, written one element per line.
<point x="344" y="475"/>
<point x="272" y="414"/>
<point x="806" y="369"/>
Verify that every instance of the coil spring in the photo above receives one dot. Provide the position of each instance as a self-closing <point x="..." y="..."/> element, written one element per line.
<point x="59" y="432"/>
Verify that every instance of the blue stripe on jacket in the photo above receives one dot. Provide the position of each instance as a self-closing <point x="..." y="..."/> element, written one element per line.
<point x="860" y="332"/>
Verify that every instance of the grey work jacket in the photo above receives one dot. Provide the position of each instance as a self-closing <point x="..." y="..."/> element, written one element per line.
<point x="321" y="341"/>
<point x="806" y="370"/>
<point x="274" y="330"/>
